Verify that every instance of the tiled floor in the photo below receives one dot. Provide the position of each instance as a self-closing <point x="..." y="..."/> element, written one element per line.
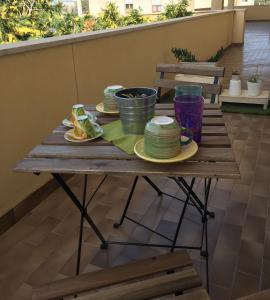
<point x="252" y="56"/>
<point x="42" y="246"/>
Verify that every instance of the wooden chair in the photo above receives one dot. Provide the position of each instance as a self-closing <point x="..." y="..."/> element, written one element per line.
<point x="165" y="275"/>
<point x="263" y="295"/>
<point x="170" y="276"/>
<point x="200" y="69"/>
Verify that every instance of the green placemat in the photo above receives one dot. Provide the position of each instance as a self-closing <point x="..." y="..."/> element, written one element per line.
<point x="113" y="132"/>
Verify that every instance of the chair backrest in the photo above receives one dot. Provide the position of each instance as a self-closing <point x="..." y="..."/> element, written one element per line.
<point x="205" y="70"/>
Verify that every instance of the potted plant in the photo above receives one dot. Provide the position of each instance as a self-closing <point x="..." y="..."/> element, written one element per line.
<point x="235" y="84"/>
<point x="235" y="75"/>
<point x="254" y="85"/>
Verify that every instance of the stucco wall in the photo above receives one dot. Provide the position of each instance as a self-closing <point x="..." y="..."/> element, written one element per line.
<point x="37" y="89"/>
<point x="40" y="80"/>
<point x="257" y="12"/>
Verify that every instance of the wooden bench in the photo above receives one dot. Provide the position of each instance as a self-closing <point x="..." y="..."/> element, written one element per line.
<point x="262" y="99"/>
<point x="201" y="69"/>
<point x="168" y="274"/>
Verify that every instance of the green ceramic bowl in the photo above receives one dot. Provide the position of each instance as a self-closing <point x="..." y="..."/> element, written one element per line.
<point x="161" y="137"/>
<point x="109" y="102"/>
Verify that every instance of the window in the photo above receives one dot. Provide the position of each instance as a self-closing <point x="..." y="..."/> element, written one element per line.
<point x="129" y="6"/>
<point x="156" y="8"/>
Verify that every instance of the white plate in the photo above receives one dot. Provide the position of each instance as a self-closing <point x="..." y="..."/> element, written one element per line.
<point x="71" y="139"/>
<point x="66" y="122"/>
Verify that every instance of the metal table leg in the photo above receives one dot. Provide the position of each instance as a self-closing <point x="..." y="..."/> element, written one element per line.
<point x="81" y="227"/>
<point x="116" y="225"/>
<point x="82" y="209"/>
<point x="124" y="216"/>
<point x="160" y="193"/>
<point x="182" y="216"/>
<point x="190" y="197"/>
<point x="194" y="196"/>
<point x="204" y="243"/>
<point x="155" y="187"/>
<point x="188" y="190"/>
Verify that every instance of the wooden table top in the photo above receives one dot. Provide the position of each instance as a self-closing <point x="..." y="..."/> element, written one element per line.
<point x="56" y="155"/>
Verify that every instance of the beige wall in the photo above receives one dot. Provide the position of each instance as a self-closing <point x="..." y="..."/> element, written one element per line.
<point x="38" y="87"/>
<point x="239" y="26"/>
<point x="257" y="12"/>
<point x="131" y="58"/>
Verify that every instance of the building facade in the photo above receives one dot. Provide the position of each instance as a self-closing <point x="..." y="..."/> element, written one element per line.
<point x="148" y="7"/>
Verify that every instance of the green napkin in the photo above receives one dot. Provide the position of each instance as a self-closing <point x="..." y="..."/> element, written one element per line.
<point x="113" y="132"/>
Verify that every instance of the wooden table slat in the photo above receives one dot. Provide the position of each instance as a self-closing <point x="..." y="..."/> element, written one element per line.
<point x="132" y="167"/>
<point x="207" y="141"/>
<point x="215" y="141"/>
<point x="160" y="106"/>
<point x="214" y="130"/>
<point x="206" y="130"/>
<point x="58" y="139"/>
<point x="207" y="121"/>
<point x="103" y="118"/>
<point x="111" y="152"/>
<point x="213" y="121"/>
<point x="167" y="112"/>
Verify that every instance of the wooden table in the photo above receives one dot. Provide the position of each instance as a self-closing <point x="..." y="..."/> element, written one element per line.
<point x="56" y="155"/>
<point x="214" y="159"/>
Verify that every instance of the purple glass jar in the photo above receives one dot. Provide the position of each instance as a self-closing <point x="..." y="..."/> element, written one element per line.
<point x="189" y="114"/>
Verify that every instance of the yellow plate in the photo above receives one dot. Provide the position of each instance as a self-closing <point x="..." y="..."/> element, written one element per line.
<point x="187" y="151"/>
<point x="100" y="108"/>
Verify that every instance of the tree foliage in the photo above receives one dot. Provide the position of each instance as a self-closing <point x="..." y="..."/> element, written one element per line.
<point x="109" y="18"/>
<point x="134" y="17"/>
<point x="30" y="19"/>
<point x="26" y="19"/>
<point x="176" y="10"/>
